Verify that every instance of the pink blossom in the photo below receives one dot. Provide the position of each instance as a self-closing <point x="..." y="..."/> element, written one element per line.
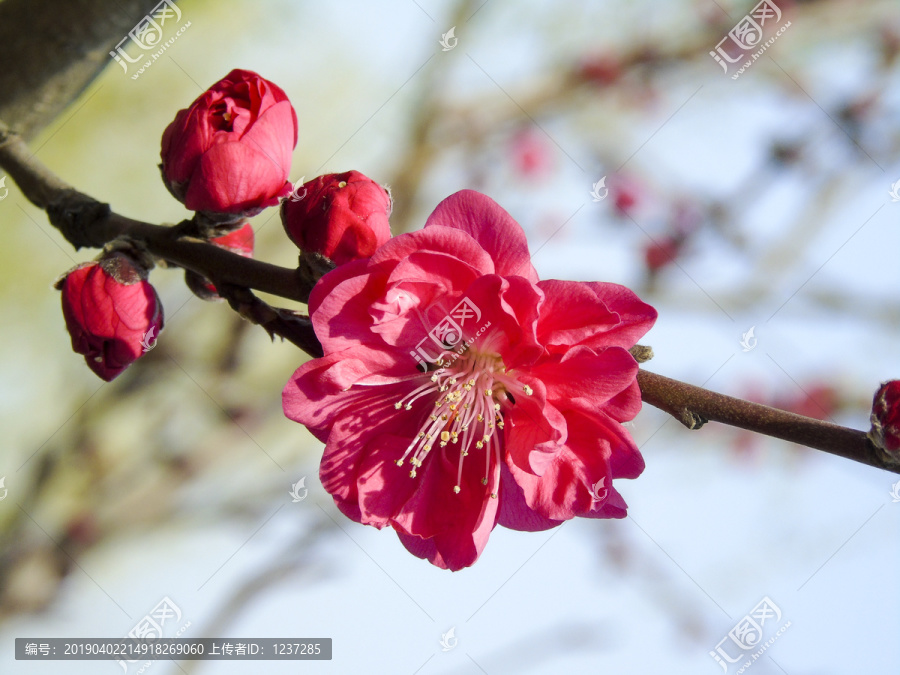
<point x="514" y="419"/>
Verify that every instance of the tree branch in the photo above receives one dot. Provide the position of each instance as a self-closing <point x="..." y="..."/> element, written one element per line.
<point x="290" y="325"/>
<point x="85" y="222"/>
<point x="694" y="406"/>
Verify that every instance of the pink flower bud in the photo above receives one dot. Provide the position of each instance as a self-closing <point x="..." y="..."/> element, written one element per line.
<point x="531" y="154"/>
<point x="885" y="432"/>
<point x="112" y="313"/>
<point x="626" y="192"/>
<point x="343" y="216"/>
<point x="230" y="151"/>
<point x="239" y="241"/>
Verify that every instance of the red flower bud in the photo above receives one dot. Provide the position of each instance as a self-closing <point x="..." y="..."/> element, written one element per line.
<point x="659" y="254"/>
<point x="601" y="70"/>
<point x="885" y="432"/>
<point x="343" y="216"/>
<point x="239" y="241"/>
<point x="112" y="313"/>
<point x="230" y="152"/>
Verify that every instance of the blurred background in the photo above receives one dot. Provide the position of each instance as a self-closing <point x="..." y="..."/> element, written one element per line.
<point x="755" y="213"/>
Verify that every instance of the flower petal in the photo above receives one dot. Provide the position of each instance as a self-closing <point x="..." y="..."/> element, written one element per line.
<point x="232" y="177"/>
<point x="455" y="242"/>
<point x="488" y="223"/>
<point x="565" y="489"/>
<point x="515" y="512"/>
<point x="267" y="135"/>
<point x="582" y="373"/>
<point x="459" y="524"/>
<point x="535" y="431"/>
<point x="346" y="436"/>
<point x="593" y="314"/>
<point x="613" y="507"/>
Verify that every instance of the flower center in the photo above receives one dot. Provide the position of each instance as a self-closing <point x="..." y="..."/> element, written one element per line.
<point x="222" y="116"/>
<point x="469" y="398"/>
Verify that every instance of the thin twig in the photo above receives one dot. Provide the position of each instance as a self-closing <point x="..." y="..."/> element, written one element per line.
<point x="693" y="406"/>
<point x="290" y="325"/>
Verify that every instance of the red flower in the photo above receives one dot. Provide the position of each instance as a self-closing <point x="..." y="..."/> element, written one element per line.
<point x="521" y="423"/>
<point x="885" y="432"/>
<point x="230" y="152"/>
<point x="343" y="216"/>
<point x="112" y="313"/>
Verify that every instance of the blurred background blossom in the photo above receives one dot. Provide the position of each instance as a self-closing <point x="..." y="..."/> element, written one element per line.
<point x="761" y="202"/>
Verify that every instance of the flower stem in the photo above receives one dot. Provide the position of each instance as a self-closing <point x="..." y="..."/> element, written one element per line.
<point x="694" y="406"/>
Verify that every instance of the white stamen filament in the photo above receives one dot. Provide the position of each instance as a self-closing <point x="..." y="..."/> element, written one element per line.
<point x="467" y="412"/>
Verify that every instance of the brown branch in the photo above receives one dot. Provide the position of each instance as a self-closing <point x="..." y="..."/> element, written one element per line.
<point x="694" y="406"/>
<point x="285" y="323"/>
<point x="85" y="222"/>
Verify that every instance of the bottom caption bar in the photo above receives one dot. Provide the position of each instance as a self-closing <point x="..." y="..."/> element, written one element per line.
<point x="193" y="649"/>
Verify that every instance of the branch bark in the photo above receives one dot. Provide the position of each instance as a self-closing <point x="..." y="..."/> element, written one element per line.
<point x="285" y="323"/>
<point x="85" y="222"/>
<point x="694" y="406"/>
